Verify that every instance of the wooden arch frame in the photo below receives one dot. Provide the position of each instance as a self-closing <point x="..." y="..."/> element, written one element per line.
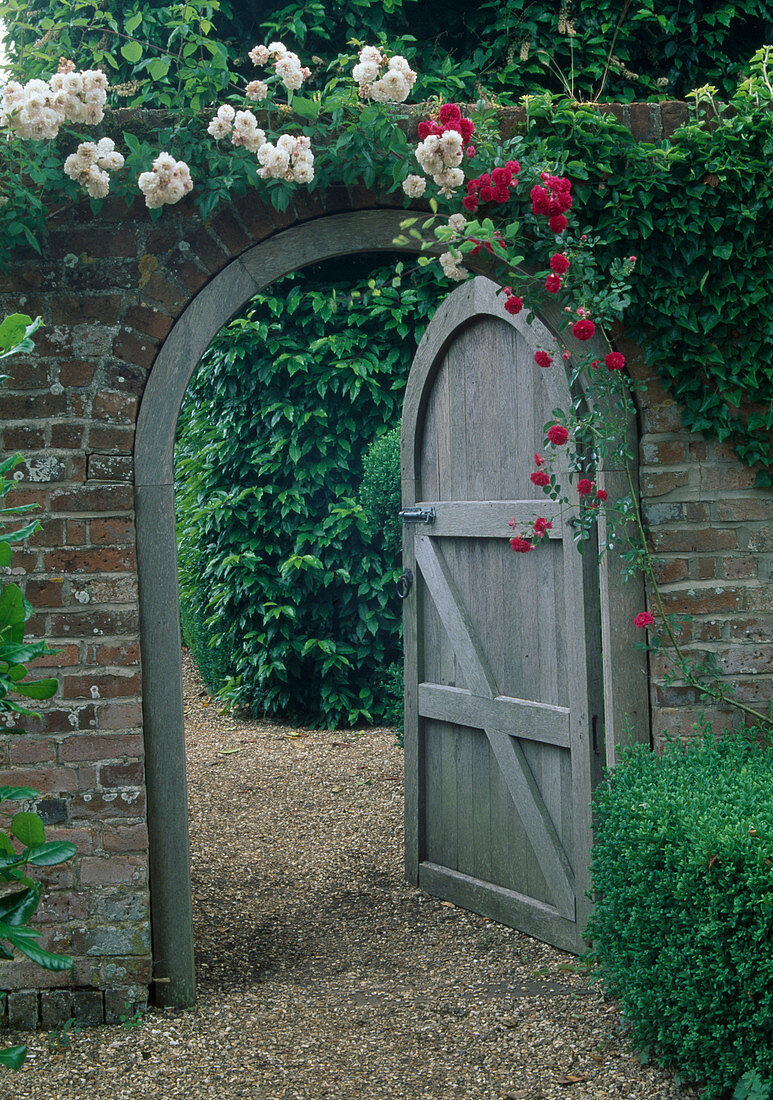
<point x="163" y="719"/>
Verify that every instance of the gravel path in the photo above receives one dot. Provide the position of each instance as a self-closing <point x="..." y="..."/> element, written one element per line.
<point x="321" y="973"/>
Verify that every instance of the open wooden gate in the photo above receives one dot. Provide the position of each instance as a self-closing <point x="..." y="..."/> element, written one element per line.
<point x="503" y="697"/>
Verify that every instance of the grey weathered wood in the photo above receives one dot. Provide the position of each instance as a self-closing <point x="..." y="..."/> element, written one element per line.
<point x="499" y="904"/>
<point x="164" y="733"/>
<point x="509" y="755"/>
<point x="514" y="808"/>
<point x="489" y="519"/>
<point x="516" y="717"/>
<point x="209" y="310"/>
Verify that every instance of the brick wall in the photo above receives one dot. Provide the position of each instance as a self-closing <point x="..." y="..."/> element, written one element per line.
<point x="109" y="289"/>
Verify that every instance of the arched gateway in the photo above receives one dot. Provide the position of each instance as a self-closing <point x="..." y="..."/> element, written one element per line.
<point x="130" y="308"/>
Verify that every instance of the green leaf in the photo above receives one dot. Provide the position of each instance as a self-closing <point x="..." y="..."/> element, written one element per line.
<point x="133" y="22"/>
<point x="158" y="67"/>
<point x="132" y="52"/>
<point x="37" y="689"/>
<point x="13" y="1057"/>
<point x="28" y="828"/>
<point x="14" y="794"/>
<point x="50" y="854"/>
<point x="306" y="108"/>
<point x="13" y="330"/>
<point x="19" y="907"/>
<point x="5" y="555"/>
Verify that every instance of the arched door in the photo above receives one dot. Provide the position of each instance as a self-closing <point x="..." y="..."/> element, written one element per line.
<point x="503" y="721"/>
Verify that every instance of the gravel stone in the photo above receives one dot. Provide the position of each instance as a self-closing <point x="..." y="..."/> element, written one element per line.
<point x="322" y="974"/>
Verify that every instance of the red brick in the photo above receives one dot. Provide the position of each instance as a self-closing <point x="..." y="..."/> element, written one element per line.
<point x="109" y="685"/>
<point x="93" y="560"/>
<point x="726" y="479"/>
<point x="209" y="252"/>
<point x="151" y="322"/>
<point x="74" y="309"/>
<point x="23" y="437"/>
<point x="25" y="375"/>
<point x="658" y="484"/>
<point x="118" y="716"/>
<point x="758" y="629"/>
<point x="125" y="838"/>
<point x="122" y="775"/>
<point x="747" y="660"/>
<point x="761" y="539"/>
<point x="684" y="539"/>
<point x="108" y="438"/>
<point x="96" y="746"/>
<point x="135" y="349"/>
<point x="104" y="805"/>
<point x="33" y="406"/>
<point x="110" y="467"/>
<point x="67" y="436"/>
<point x="62" y="906"/>
<point x="76" y="373"/>
<point x="65" y="657"/>
<point x="670" y="452"/>
<point x="645" y="121"/>
<point x="118" y="408"/>
<point x="162" y="290"/>
<point x="123" y="655"/>
<point x="706" y="569"/>
<point x="51" y="533"/>
<point x="44" y="780"/>
<point x="66" y="720"/>
<point x="256" y="217"/>
<point x="673" y="114"/>
<point x="86" y="624"/>
<point x="744" y="508"/>
<point x="230" y="232"/>
<point x="702" y="601"/>
<point x="44" y="593"/>
<point x="116" y="531"/>
<point x="674" y="570"/>
<point x="32" y="750"/>
<point x="739" y="567"/>
<point x="76" y="533"/>
<point x="93" y="498"/>
<point x="112" y="870"/>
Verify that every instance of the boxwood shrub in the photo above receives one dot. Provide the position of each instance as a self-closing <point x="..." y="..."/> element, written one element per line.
<point x="683" y="921"/>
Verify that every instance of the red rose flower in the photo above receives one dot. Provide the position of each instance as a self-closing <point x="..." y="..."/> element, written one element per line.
<point x="539" y="460"/>
<point x="559" y="263"/>
<point x="558" y="223"/>
<point x="601" y="494"/>
<point x="501" y="177"/>
<point x="449" y="112"/>
<point x="542" y="359"/>
<point x="614" y="360"/>
<point x="584" y="486"/>
<point x="511" y="524"/>
<point x="552" y="283"/>
<point x="521" y="546"/>
<point x="540" y="478"/>
<point x="539" y="200"/>
<point x="423" y="130"/>
<point x="469" y="202"/>
<point x="514" y="304"/>
<point x="558" y="435"/>
<point x="644" y="618"/>
<point x="542" y="526"/>
<point x="466" y="129"/>
<point x="513" y="166"/>
<point x="486" y="193"/>
<point x="583" y="329"/>
<point x="596" y="364"/>
<point x="501" y="194"/>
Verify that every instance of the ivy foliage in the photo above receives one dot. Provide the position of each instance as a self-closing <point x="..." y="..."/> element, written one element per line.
<point x="697" y="212"/>
<point x="283" y="580"/>
<point x="653" y="48"/>
<point x="684" y="908"/>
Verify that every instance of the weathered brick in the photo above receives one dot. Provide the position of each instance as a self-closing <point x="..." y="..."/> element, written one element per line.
<point x="111" y="438"/>
<point x="92" y="498"/>
<point x="125" y="838"/>
<point x="658" y="484"/>
<point x="52" y="780"/>
<point x="135" y="349"/>
<point x="104" y="805"/>
<point x="111" y="623"/>
<point x="120" y="904"/>
<point x="122" y="775"/>
<point x="88" y="1007"/>
<point x="116" y="408"/>
<point x="23" y="1010"/>
<point x="97" y="559"/>
<point x="32" y="750"/>
<point x="114" y="870"/>
<point x="55" y="1007"/>
<point x="703" y="601"/>
<point x="114" y="716"/>
<point x="110" y="467"/>
<point x="68" y="435"/>
<point x="125" y="654"/>
<point x="66" y="719"/>
<point x="100" y="685"/>
<point x="667" y="540"/>
<point x="94" y="746"/>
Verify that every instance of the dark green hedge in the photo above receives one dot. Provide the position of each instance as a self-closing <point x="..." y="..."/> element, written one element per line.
<point x="288" y="593"/>
<point x="683" y="922"/>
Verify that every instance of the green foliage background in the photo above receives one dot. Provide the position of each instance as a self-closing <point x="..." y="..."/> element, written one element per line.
<point x="287" y="590"/>
<point x="684" y="906"/>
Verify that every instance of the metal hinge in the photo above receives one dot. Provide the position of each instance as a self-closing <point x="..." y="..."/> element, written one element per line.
<point x="417" y="515"/>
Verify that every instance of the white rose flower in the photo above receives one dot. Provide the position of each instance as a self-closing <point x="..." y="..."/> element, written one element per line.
<point x="457" y="222"/>
<point x="226" y="112"/>
<point x="256" y="90"/>
<point x="452" y="269"/>
<point x="259" y="55"/>
<point x="414" y="186"/>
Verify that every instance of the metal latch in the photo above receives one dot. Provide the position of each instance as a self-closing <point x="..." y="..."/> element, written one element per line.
<point x="417" y="515"/>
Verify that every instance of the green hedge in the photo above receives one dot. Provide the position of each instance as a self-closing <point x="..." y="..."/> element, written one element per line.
<point x="683" y="923"/>
<point x="288" y="596"/>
